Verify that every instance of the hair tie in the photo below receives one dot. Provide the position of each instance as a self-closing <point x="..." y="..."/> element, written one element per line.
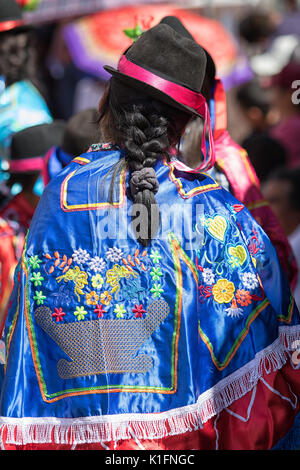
<point x="143" y="179"/>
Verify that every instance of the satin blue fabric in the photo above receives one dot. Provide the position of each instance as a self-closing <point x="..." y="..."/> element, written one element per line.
<point x="212" y="304"/>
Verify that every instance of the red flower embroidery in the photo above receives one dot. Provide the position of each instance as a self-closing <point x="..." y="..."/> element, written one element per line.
<point x="243" y="297"/>
<point x="99" y="310"/>
<point x="138" y="310"/>
<point x="58" y="314"/>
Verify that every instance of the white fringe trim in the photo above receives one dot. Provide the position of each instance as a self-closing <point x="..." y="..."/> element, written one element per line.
<point x="21" y="431"/>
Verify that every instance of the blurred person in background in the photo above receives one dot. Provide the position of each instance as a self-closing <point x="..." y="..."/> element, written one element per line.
<point x="282" y="190"/>
<point x="21" y="102"/>
<point x="264" y="151"/>
<point x="82" y="130"/>
<point x="287" y="103"/>
<point x="26" y="163"/>
<point x="233" y="168"/>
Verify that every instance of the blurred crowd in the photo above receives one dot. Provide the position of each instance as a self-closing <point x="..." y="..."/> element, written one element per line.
<point x="48" y="115"/>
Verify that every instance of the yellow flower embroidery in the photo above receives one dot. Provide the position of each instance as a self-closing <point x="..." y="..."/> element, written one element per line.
<point x="92" y="298"/>
<point x="105" y="298"/>
<point x="223" y="291"/>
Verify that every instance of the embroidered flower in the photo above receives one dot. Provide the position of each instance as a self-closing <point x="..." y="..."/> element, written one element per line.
<point x="243" y="297"/>
<point x="156" y="274"/>
<point x="156" y="290"/>
<point x="80" y="313"/>
<point x="92" y="298"/>
<point x="99" y="310"/>
<point x="80" y="256"/>
<point x="138" y="310"/>
<point x="105" y="298"/>
<point x="34" y="262"/>
<point x="133" y="291"/>
<point x="58" y="314"/>
<point x="208" y="276"/>
<point x="97" y="281"/>
<point x="114" y="254"/>
<point x="234" y="261"/>
<point x="155" y="256"/>
<point x="223" y="291"/>
<point x="234" y="311"/>
<point x="250" y="281"/>
<point x="120" y="310"/>
<point x="39" y="297"/>
<point x="37" y="279"/>
<point x="97" y="264"/>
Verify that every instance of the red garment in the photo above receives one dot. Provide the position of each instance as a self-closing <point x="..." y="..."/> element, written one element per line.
<point x="260" y="419"/>
<point x="15" y="218"/>
<point x="235" y="164"/>
<point x="8" y="263"/>
<point x="287" y="133"/>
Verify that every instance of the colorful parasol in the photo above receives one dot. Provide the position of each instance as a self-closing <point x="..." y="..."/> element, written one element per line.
<point x="99" y="39"/>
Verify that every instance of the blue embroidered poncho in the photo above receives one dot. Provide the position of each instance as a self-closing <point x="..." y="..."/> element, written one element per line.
<point x="107" y="336"/>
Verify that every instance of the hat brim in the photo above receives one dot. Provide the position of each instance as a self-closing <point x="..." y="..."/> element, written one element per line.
<point x="150" y="90"/>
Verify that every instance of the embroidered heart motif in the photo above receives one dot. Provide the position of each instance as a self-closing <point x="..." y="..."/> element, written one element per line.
<point x="238" y="252"/>
<point x="217" y="227"/>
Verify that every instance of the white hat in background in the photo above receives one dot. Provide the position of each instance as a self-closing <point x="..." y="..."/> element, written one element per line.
<point x="276" y="57"/>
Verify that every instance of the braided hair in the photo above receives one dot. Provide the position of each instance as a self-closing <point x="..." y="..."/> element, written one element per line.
<point x="146" y="129"/>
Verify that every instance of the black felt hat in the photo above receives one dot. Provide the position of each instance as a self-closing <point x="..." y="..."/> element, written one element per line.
<point x="176" y="24"/>
<point x="167" y="55"/>
<point x="81" y="132"/>
<point x="11" y="16"/>
<point x="29" y="146"/>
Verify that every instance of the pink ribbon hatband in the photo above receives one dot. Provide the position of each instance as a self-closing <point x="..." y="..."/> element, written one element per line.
<point x="26" y="164"/>
<point x="182" y="95"/>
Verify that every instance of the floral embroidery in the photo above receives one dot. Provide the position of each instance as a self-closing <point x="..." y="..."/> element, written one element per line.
<point x="217" y="227"/>
<point x="234" y="261"/>
<point x="64" y="295"/>
<point x="64" y="263"/>
<point x="114" y="254"/>
<point x="223" y="291"/>
<point x="156" y="290"/>
<point x="97" y="281"/>
<point x="120" y="310"/>
<point x="39" y="297"/>
<point x="134" y="291"/>
<point x="97" y="264"/>
<point x="114" y="275"/>
<point x="58" y="314"/>
<point x="37" y="279"/>
<point x="156" y="274"/>
<point x="80" y="313"/>
<point x="234" y="311"/>
<point x="99" y="310"/>
<point x="35" y="262"/>
<point x="105" y="298"/>
<point x="80" y="256"/>
<point x="78" y="277"/>
<point x="208" y="276"/>
<point x="243" y="297"/>
<point x="155" y="256"/>
<point x="92" y="298"/>
<point x="138" y="310"/>
<point x="239" y="252"/>
<point x="250" y="281"/>
<point x="133" y="261"/>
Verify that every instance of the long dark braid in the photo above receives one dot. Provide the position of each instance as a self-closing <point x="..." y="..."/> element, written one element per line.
<point x="146" y="129"/>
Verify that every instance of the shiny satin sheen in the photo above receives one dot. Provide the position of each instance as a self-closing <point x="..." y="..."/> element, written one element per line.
<point x="185" y="361"/>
